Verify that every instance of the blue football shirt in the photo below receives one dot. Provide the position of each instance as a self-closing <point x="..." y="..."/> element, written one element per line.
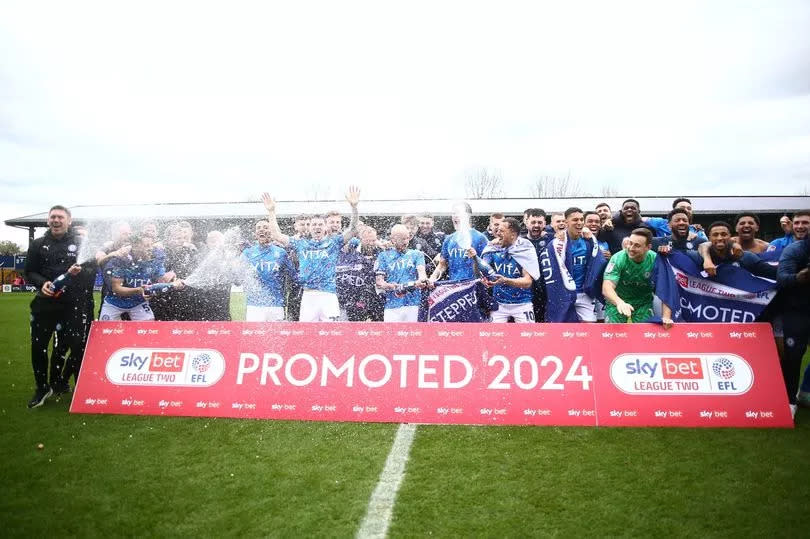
<point x="459" y="266"/>
<point x="317" y="262"/>
<point x="503" y="264"/>
<point x="397" y="267"/>
<point x="579" y="254"/>
<point x="271" y="265"/>
<point x="134" y="273"/>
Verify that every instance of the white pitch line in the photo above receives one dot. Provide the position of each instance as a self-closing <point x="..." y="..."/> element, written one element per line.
<point x="381" y="505"/>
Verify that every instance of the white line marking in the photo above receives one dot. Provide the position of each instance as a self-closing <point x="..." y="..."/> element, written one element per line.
<point x="381" y="504"/>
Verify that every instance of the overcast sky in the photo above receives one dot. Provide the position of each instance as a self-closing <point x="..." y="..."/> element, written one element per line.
<point x="115" y="102"/>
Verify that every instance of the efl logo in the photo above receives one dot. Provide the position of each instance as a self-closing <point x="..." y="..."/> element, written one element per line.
<point x="167" y="361"/>
<point x="682" y="279"/>
<point x="682" y="368"/>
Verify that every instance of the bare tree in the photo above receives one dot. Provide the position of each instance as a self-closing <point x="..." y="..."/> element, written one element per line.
<point x="609" y="191"/>
<point x="556" y="187"/>
<point x="481" y="183"/>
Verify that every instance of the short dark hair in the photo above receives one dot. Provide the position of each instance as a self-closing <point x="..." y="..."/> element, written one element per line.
<point x="513" y="224"/>
<point x="425" y="215"/>
<point x="303" y="217"/>
<point x="719" y="223"/>
<point x="572" y="209"/>
<point x="60" y="207"/>
<point x="496" y="216"/>
<point x="631" y="200"/>
<point x="676" y="211"/>
<point x="643" y="232"/>
<point x="680" y="199"/>
<point x="739" y="216"/>
<point x="801" y="212"/>
<point x="602" y="204"/>
<point x="590" y="212"/>
<point x="535" y="212"/>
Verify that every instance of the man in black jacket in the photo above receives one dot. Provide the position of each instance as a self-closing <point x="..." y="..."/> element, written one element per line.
<point x="428" y="241"/>
<point x="50" y="256"/>
<point x="628" y="219"/>
<point x="793" y="276"/>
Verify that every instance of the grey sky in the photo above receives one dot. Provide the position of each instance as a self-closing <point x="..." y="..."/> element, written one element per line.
<point x="151" y="102"/>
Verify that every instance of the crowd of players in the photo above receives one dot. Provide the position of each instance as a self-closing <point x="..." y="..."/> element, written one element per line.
<point x="325" y="272"/>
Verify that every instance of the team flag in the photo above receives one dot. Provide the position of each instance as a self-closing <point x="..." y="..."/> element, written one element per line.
<point x="560" y="287"/>
<point x="733" y="295"/>
<point x="458" y="301"/>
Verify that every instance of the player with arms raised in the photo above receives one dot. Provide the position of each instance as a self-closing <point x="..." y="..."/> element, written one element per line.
<point x="317" y="259"/>
<point x="270" y="267"/>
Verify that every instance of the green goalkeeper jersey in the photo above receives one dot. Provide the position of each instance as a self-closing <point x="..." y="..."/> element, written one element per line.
<point x="632" y="280"/>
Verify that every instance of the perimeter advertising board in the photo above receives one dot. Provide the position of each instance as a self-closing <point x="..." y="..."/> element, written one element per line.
<point x="541" y="374"/>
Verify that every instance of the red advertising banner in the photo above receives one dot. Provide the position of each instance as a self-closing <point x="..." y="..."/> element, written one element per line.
<point x="711" y="375"/>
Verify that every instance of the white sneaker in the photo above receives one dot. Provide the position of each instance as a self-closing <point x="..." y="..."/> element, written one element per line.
<point x="793" y="411"/>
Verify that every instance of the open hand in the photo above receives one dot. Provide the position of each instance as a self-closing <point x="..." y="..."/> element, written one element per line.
<point x="269" y="203"/>
<point x="353" y="195"/>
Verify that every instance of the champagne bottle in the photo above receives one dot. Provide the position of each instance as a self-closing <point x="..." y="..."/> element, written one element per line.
<point x="486" y="269"/>
<point x="157" y="288"/>
<point x="58" y="285"/>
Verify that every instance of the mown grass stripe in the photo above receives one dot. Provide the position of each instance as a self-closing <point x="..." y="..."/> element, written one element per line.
<point x="381" y="504"/>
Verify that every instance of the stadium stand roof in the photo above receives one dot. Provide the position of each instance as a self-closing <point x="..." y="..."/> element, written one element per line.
<point x="650" y="206"/>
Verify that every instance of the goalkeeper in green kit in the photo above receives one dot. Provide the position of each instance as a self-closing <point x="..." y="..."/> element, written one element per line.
<point x="627" y="286"/>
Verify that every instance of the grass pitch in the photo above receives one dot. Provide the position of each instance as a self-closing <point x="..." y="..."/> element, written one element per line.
<point x="112" y="476"/>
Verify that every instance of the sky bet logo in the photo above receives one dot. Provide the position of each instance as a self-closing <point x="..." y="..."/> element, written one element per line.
<point x="670" y="368"/>
<point x="681" y="374"/>
<point x="157" y="361"/>
<point x="165" y="367"/>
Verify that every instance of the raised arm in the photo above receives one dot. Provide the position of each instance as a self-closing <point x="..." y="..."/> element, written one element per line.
<point x="352" y="197"/>
<point x="275" y="232"/>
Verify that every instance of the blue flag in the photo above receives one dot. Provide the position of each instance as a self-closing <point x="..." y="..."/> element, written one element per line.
<point x="771" y="254"/>
<point x="561" y="296"/>
<point x="458" y="301"/>
<point x="666" y="287"/>
<point x="733" y="295"/>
